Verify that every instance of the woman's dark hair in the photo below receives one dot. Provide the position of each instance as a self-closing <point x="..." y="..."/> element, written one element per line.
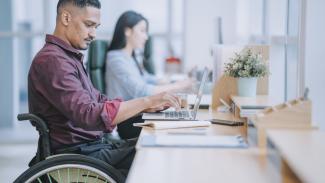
<point x="127" y="20"/>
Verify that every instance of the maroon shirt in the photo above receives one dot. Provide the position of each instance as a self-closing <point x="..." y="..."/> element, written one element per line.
<point x="60" y="92"/>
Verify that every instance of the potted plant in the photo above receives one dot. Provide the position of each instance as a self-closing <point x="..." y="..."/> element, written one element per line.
<point x="246" y="67"/>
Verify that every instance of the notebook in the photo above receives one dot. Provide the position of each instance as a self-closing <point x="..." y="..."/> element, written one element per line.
<point x="159" y="125"/>
<point x="183" y="114"/>
<point x="227" y="122"/>
<point x="193" y="141"/>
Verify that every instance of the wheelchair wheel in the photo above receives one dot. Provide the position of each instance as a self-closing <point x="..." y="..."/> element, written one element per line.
<point x="71" y="169"/>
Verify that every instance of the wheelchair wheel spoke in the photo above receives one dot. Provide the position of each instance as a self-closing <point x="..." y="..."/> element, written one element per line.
<point x="39" y="180"/>
<point x="49" y="178"/>
<point x="87" y="176"/>
<point x="59" y="176"/>
<point x="78" y="175"/>
<point x="68" y="175"/>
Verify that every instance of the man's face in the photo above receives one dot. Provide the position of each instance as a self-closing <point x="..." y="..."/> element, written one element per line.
<point x="82" y="27"/>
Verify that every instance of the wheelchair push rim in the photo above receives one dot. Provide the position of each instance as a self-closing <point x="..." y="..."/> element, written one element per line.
<point x="101" y="176"/>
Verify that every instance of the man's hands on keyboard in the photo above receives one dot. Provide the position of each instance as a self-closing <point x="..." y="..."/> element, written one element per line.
<point x="158" y="109"/>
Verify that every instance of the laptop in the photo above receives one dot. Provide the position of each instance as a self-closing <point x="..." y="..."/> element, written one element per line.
<point x="182" y="114"/>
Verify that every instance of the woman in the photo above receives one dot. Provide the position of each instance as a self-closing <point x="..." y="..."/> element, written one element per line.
<point x="125" y="78"/>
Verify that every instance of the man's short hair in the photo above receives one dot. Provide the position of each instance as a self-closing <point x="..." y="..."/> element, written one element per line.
<point x="78" y="3"/>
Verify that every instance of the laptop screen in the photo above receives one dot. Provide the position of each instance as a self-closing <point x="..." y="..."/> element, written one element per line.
<point x="200" y="91"/>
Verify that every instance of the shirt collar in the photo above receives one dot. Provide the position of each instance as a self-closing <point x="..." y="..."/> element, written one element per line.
<point x="59" y="42"/>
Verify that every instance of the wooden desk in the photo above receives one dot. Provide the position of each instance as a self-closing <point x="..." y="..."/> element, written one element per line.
<point x="204" y="114"/>
<point x="157" y="164"/>
<point x="301" y="154"/>
<point x="194" y="165"/>
<point x="259" y="100"/>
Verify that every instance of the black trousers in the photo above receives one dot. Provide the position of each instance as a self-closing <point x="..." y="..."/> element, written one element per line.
<point x="126" y="130"/>
<point x="117" y="153"/>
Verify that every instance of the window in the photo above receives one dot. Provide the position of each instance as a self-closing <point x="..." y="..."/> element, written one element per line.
<point x="22" y="36"/>
<point x="281" y="27"/>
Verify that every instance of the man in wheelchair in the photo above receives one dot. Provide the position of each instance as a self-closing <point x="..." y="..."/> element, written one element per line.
<point x="60" y="92"/>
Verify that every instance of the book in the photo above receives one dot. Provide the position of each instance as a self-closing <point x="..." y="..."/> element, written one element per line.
<point x="249" y="112"/>
<point x="253" y="107"/>
<point x="193" y="141"/>
<point x="227" y="122"/>
<point x="158" y="125"/>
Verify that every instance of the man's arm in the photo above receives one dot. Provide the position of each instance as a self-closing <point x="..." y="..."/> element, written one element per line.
<point x="63" y="89"/>
<point x="100" y="97"/>
<point x="132" y="107"/>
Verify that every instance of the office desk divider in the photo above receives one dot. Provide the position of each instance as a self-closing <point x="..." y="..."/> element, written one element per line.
<point x="294" y="114"/>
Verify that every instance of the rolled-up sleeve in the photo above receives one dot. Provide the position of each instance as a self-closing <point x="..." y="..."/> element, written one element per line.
<point x="111" y="108"/>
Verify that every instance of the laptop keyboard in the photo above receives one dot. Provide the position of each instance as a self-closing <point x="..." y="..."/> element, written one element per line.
<point x="178" y="114"/>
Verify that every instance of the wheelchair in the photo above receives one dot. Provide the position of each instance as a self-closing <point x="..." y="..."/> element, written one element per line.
<point x="70" y="168"/>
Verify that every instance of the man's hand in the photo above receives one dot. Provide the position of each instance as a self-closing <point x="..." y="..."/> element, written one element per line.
<point x="157" y="109"/>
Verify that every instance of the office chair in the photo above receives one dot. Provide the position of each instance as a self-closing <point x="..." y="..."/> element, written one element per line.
<point x="96" y="63"/>
<point x="47" y="167"/>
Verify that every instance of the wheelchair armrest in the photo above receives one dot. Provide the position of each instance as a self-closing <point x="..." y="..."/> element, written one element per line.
<point x="44" y="148"/>
<point x="36" y="121"/>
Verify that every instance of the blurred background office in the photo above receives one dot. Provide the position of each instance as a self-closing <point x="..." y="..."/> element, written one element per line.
<point x="186" y="29"/>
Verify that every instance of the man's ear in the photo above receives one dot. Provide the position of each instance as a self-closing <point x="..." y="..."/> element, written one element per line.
<point x="65" y="17"/>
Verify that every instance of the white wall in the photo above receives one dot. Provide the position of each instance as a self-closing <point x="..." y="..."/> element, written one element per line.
<point x="154" y="11"/>
<point x="249" y="19"/>
<point x="315" y="59"/>
<point x="200" y="29"/>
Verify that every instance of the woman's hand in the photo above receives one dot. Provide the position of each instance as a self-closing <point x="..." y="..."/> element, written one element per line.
<point x="163" y="101"/>
<point x="186" y="85"/>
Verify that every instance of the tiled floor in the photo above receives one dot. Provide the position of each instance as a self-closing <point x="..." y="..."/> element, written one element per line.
<point x="14" y="160"/>
<point x="17" y="147"/>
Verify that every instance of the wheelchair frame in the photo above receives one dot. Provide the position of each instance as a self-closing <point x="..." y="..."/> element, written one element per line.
<point x="63" y="167"/>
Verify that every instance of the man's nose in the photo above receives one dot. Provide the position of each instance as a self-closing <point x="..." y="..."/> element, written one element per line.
<point x="92" y="33"/>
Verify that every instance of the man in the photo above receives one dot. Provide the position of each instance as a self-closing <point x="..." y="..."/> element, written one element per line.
<point x="61" y="93"/>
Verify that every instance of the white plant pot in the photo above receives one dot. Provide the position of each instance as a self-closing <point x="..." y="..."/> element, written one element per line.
<point x="247" y="87"/>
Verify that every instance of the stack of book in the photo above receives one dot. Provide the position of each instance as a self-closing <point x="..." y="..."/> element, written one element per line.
<point x="250" y="110"/>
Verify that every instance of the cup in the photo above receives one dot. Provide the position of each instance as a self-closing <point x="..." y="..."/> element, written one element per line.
<point x="183" y="98"/>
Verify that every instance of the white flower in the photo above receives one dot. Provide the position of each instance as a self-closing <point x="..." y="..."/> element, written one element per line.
<point x="246" y="64"/>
